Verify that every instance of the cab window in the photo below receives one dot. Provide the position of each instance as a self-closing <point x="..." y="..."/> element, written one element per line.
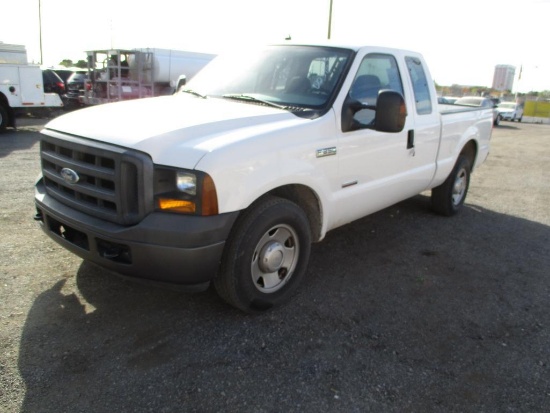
<point x="420" y="86"/>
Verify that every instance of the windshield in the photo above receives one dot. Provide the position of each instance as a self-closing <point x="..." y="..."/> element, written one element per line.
<point x="292" y="77"/>
<point x="507" y="105"/>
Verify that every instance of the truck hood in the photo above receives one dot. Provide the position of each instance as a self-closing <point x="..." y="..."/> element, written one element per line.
<point x="174" y="130"/>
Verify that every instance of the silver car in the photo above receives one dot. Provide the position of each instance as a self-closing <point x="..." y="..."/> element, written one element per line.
<point x="510" y="111"/>
<point x="481" y="102"/>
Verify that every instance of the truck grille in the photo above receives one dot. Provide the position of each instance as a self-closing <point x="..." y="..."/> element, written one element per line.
<point x="112" y="183"/>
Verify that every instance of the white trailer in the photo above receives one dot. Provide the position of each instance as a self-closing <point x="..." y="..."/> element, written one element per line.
<point x="21" y="86"/>
<point x="123" y="74"/>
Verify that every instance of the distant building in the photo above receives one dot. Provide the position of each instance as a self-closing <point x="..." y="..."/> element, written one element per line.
<point x="504" y="77"/>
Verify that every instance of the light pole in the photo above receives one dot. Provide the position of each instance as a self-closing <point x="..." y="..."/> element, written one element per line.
<point x="329" y="19"/>
<point x="40" y="29"/>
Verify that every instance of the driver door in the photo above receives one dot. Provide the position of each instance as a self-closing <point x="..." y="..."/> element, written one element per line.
<point x="378" y="169"/>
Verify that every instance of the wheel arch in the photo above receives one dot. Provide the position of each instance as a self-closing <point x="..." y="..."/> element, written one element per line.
<point x="470" y="150"/>
<point x="307" y="199"/>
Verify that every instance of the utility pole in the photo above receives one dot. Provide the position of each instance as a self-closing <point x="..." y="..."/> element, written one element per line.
<point x="40" y="29"/>
<point x="329" y="20"/>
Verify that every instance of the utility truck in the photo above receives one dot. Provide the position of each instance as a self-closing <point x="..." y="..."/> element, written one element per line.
<point x="230" y="180"/>
<point x="21" y="86"/>
<point x="123" y="74"/>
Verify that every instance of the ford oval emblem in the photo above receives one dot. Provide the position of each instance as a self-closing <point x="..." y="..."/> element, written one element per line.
<point x="69" y="176"/>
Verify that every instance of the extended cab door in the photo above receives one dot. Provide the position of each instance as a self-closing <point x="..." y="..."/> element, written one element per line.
<point x="378" y="169"/>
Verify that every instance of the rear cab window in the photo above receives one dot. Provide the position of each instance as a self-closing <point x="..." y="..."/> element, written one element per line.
<point x="421" y="89"/>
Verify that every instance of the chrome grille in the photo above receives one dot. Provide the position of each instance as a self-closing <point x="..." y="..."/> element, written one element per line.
<point x="114" y="184"/>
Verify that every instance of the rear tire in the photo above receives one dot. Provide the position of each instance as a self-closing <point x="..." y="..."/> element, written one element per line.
<point x="448" y="198"/>
<point x="266" y="256"/>
<point x="4" y="120"/>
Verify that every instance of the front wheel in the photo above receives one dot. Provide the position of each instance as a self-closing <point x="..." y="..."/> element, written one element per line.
<point x="266" y="255"/>
<point x="497" y="120"/>
<point x="448" y="198"/>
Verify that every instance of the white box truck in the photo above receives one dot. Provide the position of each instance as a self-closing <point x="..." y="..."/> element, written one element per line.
<point x="123" y="74"/>
<point x="21" y="86"/>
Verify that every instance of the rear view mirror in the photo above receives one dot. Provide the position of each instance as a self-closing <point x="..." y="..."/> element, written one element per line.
<point x="391" y="112"/>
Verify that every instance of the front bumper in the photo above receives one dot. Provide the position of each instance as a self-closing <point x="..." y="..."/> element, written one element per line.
<point x="163" y="247"/>
<point x="507" y="115"/>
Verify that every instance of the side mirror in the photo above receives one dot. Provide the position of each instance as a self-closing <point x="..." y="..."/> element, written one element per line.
<point x="390" y="113"/>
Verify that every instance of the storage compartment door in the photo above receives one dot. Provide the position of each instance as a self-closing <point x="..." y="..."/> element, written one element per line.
<point x="31" y="86"/>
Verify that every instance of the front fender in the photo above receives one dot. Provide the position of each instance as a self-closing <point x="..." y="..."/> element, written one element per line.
<point x="249" y="168"/>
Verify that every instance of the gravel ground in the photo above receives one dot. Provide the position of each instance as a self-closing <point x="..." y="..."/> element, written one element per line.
<point x="403" y="311"/>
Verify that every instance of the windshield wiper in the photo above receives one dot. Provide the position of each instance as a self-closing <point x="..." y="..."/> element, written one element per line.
<point x="194" y="93"/>
<point x="240" y="96"/>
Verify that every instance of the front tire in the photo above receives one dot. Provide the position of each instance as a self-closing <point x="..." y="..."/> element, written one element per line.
<point x="448" y="198"/>
<point x="266" y="256"/>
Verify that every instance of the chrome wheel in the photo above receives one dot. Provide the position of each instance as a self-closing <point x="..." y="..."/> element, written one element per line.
<point x="275" y="258"/>
<point x="459" y="187"/>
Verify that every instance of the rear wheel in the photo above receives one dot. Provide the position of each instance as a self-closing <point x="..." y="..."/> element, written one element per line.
<point x="3" y="118"/>
<point x="266" y="256"/>
<point x="448" y="198"/>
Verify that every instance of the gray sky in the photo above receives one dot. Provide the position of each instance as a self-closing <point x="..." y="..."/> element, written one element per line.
<point x="461" y="40"/>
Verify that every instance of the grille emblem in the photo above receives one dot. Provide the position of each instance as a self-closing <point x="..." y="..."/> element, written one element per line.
<point x="69" y="176"/>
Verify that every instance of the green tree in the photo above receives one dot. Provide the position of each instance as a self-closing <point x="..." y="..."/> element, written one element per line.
<point x="82" y="64"/>
<point x="66" y="63"/>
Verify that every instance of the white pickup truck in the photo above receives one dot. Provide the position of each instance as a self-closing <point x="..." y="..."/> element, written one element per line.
<point x="230" y="180"/>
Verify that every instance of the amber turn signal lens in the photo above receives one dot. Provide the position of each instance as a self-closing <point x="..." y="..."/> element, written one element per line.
<point x="209" y="197"/>
<point x="176" y="205"/>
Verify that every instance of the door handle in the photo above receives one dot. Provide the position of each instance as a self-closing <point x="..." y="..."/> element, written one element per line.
<point x="410" y="139"/>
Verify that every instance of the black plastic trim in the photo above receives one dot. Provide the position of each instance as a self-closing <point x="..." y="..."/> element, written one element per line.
<point x="163" y="247"/>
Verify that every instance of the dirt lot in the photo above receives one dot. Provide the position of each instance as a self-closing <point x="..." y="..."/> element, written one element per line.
<point x="403" y="311"/>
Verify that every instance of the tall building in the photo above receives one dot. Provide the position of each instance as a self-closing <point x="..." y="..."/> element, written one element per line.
<point x="503" y="78"/>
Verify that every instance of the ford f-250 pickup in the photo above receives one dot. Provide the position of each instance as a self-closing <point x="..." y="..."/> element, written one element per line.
<point x="230" y="180"/>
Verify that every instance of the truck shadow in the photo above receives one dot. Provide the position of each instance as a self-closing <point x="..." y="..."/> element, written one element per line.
<point x="402" y="310"/>
<point x="21" y="139"/>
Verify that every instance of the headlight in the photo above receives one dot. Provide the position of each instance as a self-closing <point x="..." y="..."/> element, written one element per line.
<point x="186" y="182"/>
<point x="185" y="192"/>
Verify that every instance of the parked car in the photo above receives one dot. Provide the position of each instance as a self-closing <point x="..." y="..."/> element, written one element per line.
<point x="447" y="100"/>
<point x="64" y="74"/>
<point x="52" y="82"/>
<point x="75" y="88"/>
<point x="510" y="111"/>
<point x="481" y="102"/>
